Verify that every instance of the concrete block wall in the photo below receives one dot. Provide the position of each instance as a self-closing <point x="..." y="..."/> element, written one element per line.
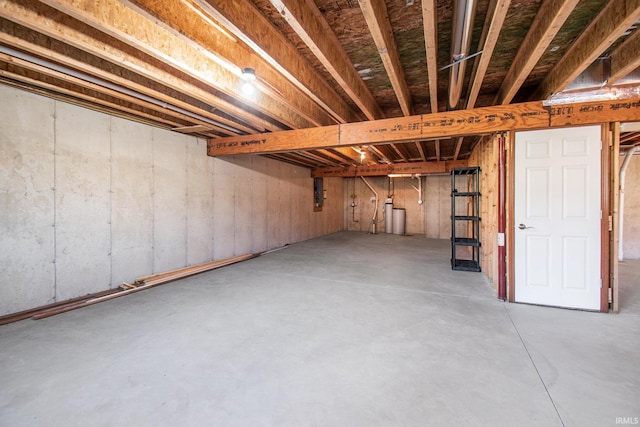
<point x="88" y="201"/>
<point x="431" y="219"/>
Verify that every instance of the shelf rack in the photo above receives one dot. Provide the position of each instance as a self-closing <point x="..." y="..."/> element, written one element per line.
<point x="465" y="219"/>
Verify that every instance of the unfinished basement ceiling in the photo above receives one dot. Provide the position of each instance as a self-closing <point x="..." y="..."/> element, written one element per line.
<point x="178" y="64"/>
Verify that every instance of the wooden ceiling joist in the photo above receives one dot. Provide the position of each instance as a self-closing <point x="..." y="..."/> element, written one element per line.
<point x="547" y="23"/>
<point x="309" y="24"/>
<point x="375" y="13"/>
<point x="625" y="58"/>
<point x="616" y="17"/>
<point x="36" y="50"/>
<point x="190" y="25"/>
<point x="492" y="27"/>
<point x="478" y="121"/>
<point x="45" y="20"/>
<point x="144" y="34"/>
<point x="245" y="22"/>
<point x="430" y="40"/>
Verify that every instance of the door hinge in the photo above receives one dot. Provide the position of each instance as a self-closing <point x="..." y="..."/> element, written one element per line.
<point x="610" y="223"/>
<point x="601" y="283"/>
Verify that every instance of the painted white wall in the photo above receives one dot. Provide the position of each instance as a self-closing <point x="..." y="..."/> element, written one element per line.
<point x="88" y="201"/>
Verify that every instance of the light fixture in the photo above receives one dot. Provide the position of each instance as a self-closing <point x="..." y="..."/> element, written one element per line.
<point x="247" y="88"/>
<point x="248" y="74"/>
<point x="362" y="155"/>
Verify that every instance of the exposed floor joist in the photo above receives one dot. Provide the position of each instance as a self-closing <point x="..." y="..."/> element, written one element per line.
<point x="375" y="13"/>
<point x="550" y="18"/>
<point x="625" y="58"/>
<point x="615" y="18"/>
<point x="311" y="27"/>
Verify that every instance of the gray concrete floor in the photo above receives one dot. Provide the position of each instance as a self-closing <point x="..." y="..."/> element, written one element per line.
<point x="345" y="330"/>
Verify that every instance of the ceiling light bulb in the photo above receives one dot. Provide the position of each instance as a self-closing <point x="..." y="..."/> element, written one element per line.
<point x="249" y="74"/>
<point x="362" y="155"/>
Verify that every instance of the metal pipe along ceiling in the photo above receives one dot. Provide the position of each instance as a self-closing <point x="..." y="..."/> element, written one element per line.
<point x="461" y="34"/>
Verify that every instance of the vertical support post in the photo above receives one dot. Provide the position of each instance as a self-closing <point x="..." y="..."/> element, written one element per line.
<point x="502" y="214"/>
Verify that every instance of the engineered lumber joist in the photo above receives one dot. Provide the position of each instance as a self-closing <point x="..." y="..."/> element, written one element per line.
<point x="477" y="121"/>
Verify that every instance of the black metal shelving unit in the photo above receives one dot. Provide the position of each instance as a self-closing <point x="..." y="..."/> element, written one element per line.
<point x="465" y="219"/>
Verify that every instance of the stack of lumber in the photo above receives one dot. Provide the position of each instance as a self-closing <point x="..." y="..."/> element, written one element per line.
<point x="140" y="284"/>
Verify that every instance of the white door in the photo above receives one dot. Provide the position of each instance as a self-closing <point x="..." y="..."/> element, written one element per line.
<point x="557" y="217"/>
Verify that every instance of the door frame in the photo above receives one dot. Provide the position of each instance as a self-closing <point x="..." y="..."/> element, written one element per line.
<point x="605" y="206"/>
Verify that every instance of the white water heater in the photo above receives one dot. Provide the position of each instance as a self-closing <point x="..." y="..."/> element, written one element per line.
<point x="388" y="214"/>
<point x="399" y="219"/>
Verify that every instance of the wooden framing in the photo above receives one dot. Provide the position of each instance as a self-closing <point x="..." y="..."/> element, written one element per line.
<point x="614" y="186"/>
<point x="478" y="121"/>
<point x="510" y="235"/>
<point x="625" y="58"/>
<point x="245" y="21"/>
<point x="605" y="236"/>
<point x="616" y="17"/>
<point x="311" y="27"/>
<point x="41" y="18"/>
<point x="421" y="168"/>
<point x="430" y="40"/>
<point x="490" y="37"/>
<point x="145" y="35"/>
<point x="548" y="21"/>
<point x="375" y="13"/>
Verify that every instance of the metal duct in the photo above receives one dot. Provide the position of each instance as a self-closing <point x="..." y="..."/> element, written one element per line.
<point x="463" y="13"/>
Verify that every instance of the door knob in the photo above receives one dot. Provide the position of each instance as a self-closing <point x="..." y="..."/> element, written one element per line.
<point x="523" y="227"/>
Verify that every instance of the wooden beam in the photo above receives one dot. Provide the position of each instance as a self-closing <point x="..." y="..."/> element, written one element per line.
<point x="437" y="148"/>
<point x="491" y="32"/>
<point x="625" y="58"/>
<point x="187" y="22"/>
<point x="478" y="121"/>
<point x="146" y="35"/>
<point x="43" y="19"/>
<point x="377" y="18"/>
<point x="248" y="24"/>
<point x="614" y="19"/>
<point x="392" y="168"/>
<point x="309" y="24"/>
<point x="429" y="22"/>
<point x="547" y="23"/>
